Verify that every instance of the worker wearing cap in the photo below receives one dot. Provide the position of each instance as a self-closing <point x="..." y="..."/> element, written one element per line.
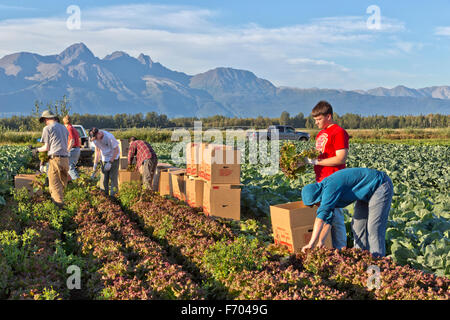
<point x="370" y="189"/>
<point x="54" y="137"/>
<point x="106" y="145"/>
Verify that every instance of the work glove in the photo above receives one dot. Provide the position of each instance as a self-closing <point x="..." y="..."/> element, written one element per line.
<point x="107" y="167"/>
<point x="94" y="171"/>
<point x="314" y="162"/>
<point x="42" y="168"/>
<point x="34" y="151"/>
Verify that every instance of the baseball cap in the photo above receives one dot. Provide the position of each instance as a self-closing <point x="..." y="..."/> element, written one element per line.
<point x="93" y="133"/>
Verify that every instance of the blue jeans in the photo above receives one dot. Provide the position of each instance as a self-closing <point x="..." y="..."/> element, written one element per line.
<point x="370" y="220"/>
<point x="74" y="155"/>
<point x="338" y="232"/>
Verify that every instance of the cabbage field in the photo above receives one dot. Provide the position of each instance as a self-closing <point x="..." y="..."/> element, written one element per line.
<point x="144" y="246"/>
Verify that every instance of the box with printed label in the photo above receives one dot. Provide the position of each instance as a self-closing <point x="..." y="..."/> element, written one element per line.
<point x="221" y="164"/>
<point x="292" y="225"/>
<point x="193" y="159"/>
<point x="222" y="200"/>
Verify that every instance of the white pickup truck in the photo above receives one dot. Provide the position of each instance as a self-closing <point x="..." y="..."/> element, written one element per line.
<point x="284" y="133"/>
<point x="87" y="148"/>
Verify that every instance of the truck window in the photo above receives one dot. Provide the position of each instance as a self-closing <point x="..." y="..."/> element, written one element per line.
<point x="80" y="132"/>
<point x="290" y="130"/>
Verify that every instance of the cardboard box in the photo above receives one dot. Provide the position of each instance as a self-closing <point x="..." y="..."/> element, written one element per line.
<point x="194" y="192"/>
<point x="123" y="147"/>
<point x="193" y="159"/>
<point x="26" y="181"/>
<point x="165" y="183"/>
<point x="178" y="184"/>
<point x="160" y="166"/>
<point x="221" y="165"/>
<point x="129" y="176"/>
<point x="123" y="163"/>
<point x="222" y="200"/>
<point x="292" y="225"/>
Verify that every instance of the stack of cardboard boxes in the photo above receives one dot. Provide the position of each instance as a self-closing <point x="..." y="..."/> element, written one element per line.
<point x="213" y="179"/>
<point x="124" y="174"/>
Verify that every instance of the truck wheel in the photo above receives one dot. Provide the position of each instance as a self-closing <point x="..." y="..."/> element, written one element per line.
<point x="303" y="139"/>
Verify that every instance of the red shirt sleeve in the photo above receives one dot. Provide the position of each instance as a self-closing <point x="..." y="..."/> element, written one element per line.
<point x="341" y="140"/>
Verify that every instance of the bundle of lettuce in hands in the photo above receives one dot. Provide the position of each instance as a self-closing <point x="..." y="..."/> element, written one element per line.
<point x="43" y="157"/>
<point x="292" y="163"/>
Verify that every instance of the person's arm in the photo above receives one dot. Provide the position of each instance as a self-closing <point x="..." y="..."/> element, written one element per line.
<point x="319" y="234"/>
<point x="339" y="159"/>
<point x="97" y="156"/>
<point x="44" y="140"/>
<point x="70" y="144"/>
<point x="44" y="148"/>
<point x="115" y="153"/>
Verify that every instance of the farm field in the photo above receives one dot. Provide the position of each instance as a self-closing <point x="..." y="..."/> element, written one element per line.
<point x="143" y="246"/>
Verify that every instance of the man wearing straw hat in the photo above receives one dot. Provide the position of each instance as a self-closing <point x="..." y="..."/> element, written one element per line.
<point x="54" y="137"/>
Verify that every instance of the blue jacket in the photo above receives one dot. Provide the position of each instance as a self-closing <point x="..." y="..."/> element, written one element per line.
<point x="341" y="189"/>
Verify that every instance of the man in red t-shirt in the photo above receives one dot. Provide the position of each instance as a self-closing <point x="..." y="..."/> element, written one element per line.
<point x="332" y="143"/>
<point x="73" y="147"/>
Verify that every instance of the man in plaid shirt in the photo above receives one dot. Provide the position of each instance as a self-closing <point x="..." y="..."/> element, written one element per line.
<point x="146" y="160"/>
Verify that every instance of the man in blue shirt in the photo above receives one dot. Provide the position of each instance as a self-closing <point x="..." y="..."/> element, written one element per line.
<point x="371" y="189"/>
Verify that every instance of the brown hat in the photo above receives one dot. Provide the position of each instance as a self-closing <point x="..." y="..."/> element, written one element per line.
<point x="47" y="114"/>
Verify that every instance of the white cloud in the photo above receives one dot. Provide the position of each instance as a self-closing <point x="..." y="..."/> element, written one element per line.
<point x="187" y="39"/>
<point x="442" y="31"/>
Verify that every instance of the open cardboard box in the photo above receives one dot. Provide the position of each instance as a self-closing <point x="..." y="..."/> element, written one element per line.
<point x="165" y="181"/>
<point x="123" y="147"/>
<point x="292" y="225"/>
<point x="26" y="181"/>
<point x="129" y="176"/>
<point x="178" y="183"/>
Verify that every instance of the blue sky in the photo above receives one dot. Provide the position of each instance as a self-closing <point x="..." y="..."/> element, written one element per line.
<point x="324" y="44"/>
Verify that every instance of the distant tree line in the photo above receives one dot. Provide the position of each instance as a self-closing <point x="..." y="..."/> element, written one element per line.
<point x="154" y="120"/>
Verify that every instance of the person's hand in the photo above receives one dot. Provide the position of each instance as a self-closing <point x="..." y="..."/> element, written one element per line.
<point x="301" y="164"/>
<point x="320" y="244"/>
<point x="34" y="151"/>
<point x="308" y="246"/>
<point x="311" y="161"/>
<point x="107" y="167"/>
<point x="42" y="168"/>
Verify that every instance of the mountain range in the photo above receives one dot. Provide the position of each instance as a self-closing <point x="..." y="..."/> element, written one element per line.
<point x="119" y="83"/>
